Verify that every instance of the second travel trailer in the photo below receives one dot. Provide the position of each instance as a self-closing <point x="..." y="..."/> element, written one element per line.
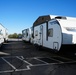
<point x="26" y="35"/>
<point x="54" y="31"/>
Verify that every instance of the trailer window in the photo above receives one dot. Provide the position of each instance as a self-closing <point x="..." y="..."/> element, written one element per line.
<point x="26" y="34"/>
<point x="0" y="32"/>
<point x="54" y="22"/>
<point x="50" y="32"/>
<point x="36" y="33"/>
<point x="23" y="32"/>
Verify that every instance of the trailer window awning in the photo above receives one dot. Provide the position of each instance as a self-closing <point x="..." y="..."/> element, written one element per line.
<point x="41" y="19"/>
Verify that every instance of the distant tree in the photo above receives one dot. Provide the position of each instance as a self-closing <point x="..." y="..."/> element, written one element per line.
<point x="15" y="35"/>
<point x="10" y="36"/>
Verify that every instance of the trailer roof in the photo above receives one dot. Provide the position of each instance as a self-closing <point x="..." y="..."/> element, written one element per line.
<point x="44" y="18"/>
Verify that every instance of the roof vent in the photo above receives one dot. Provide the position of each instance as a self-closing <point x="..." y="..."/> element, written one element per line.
<point x="60" y="17"/>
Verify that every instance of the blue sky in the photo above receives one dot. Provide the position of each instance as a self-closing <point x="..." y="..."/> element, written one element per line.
<point x="17" y="15"/>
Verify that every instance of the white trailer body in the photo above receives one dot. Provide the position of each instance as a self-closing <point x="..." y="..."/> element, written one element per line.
<point x="6" y="35"/>
<point x="4" y="32"/>
<point x="23" y="35"/>
<point x="1" y="34"/>
<point x="55" y="32"/>
<point x="68" y="31"/>
<point x="48" y="35"/>
<point x="1" y="38"/>
<point x="26" y="34"/>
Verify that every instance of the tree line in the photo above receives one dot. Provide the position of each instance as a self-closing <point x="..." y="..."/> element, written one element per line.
<point x="15" y="35"/>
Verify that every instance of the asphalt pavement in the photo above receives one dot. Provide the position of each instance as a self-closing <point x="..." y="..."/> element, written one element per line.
<point x="21" y="58"/>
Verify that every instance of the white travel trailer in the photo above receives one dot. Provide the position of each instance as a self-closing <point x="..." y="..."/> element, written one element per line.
<point x="6" y="35"/>
<point x="26" y="34"/>
<point x="31" y="35"/>
<point x="54" y="31"/>
<point x="3" y="34"/>
<point x="23" y="35"/>
<point x="1" y="37"/>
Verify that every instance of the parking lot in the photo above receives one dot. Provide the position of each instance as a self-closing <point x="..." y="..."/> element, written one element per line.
<point x="20" y="58"/>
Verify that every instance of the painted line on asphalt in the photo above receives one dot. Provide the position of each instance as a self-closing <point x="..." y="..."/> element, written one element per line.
<point x="9" y="63"/>
<point x="41" y="60"/>
<point x="14" y="68"/>
<point x="28" y="68"/>
<point x="24" y="61"/>
<point x="7" y="71"/>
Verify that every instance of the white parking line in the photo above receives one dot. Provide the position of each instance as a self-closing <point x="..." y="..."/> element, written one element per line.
<point x="41" y="60"/>
<point x="9" y="63"/>
<point x="22" y="57"/>
<point x="14" y="68"/>
<point x="28" y="68"/>
<point x="7" y="71"/>
<point x="24" y="61"/>
<point x="56" y="60"/>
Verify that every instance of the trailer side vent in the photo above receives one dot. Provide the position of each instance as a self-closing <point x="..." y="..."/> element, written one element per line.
<point x="60" y="17"/>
